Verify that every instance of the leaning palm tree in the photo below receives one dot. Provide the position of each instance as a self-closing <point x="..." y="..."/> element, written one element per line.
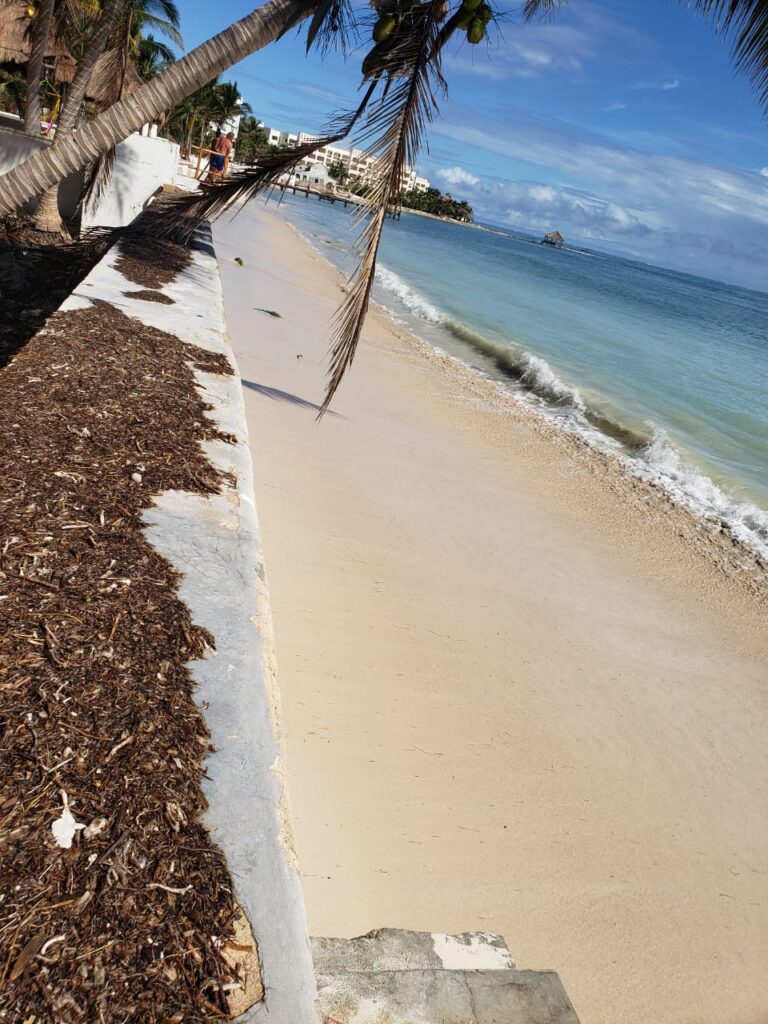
<point x="251" y="33"/>
<point x="118" y="24"/>
<point x="403" y="72"/>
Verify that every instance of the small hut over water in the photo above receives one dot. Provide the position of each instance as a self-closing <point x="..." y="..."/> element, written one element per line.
<point x="553" y="238"/>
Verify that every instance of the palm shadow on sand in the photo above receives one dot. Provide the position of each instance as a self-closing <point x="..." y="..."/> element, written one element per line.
<point x="285" y="396"/>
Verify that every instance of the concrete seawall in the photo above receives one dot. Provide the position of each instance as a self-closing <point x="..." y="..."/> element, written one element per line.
<point x="215" y="543"/>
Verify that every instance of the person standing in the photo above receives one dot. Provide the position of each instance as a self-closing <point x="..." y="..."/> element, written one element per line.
<point x="221" y="148"/>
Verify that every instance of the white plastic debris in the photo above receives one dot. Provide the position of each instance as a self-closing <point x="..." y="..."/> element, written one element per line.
<point x="136" y="477"/>
<point x="94" y="828"/>
<point x="65" y="826"/>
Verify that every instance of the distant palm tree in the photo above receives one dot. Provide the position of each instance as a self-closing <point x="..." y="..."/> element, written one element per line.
<point x="228" y="103"/>
<point x="40" y="32"/>
<point x="151" y="57"/>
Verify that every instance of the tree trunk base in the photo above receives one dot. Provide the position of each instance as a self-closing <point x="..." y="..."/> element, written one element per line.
<point x="47" y="217"/>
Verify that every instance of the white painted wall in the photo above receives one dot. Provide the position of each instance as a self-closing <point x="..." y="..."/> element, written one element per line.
<point x="142" y="167"/>
<point x="15" y="147"/>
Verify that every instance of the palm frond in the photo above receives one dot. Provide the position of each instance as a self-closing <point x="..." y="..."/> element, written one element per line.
<point x="180" y="215"/>
<point x="394" y="129"/>
<point x="540" y="10"/>
<point x="148" y="20"/>
<point x="332" y="23"/>
<point x="745" y="23"/>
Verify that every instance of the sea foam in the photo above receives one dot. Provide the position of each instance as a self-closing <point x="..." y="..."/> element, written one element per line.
<point x="413" y="302"/>
<point x="650" y="456"/>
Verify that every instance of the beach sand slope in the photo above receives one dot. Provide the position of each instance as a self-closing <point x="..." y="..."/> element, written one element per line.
<point x="522" y="692"/>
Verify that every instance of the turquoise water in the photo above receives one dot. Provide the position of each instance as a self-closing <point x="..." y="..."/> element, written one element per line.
<point x="667" y="370"/>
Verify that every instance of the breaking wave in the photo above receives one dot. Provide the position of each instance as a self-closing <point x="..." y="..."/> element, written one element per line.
<point x="646" y="452"/>
<point x="411" y="299"/>
<point x="661" y="463"/>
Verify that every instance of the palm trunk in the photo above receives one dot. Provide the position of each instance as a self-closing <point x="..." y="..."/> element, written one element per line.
<point x="76" y="92"/>
<point x="251" y="33"/>
<point x="32" y="108"/>
<point x="47" y="216"/>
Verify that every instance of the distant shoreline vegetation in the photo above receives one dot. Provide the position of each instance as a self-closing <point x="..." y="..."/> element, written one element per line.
<point x="437" y="203"/>
<point x="431" y="201"/>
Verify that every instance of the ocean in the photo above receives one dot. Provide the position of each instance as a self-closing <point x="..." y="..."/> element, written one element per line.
<point x="667" y="371"/>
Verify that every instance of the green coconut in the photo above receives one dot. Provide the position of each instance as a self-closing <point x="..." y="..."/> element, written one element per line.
<point x="384" y="28"/>
<point x="476" y="32"/>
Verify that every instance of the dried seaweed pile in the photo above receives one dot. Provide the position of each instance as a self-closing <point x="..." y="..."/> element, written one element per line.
<point x="148" y="261"/>
<point x="130" y="923"/>
<point x="150" y="295"/>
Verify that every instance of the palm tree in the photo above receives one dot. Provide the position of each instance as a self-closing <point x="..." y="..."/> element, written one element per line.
<point x="40" y="32"/>
<point x="120" y="24"/>
<point x="228" y="104"/>
<point x="151" y="57"/>
<point x="744" y="21"/>
<point x="256" y="30"/>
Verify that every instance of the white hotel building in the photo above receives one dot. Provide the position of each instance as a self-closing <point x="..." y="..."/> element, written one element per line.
<point x="358" y="164"/>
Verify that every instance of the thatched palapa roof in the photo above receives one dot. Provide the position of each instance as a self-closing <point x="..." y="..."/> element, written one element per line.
<point x="16" y="41"/>
<point x="106" y="76"/>
<point x="553" y="238"/>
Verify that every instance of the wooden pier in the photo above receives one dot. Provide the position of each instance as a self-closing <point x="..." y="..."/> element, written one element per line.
<point x="330" y="197"/>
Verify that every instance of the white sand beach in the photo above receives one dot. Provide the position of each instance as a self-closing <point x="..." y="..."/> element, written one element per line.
<point x="521" y="692"/>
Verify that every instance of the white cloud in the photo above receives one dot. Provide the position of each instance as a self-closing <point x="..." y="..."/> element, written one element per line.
<point x="657" y="207"/>
<point x="457" y="176"/>
<point x="658" y="86"/>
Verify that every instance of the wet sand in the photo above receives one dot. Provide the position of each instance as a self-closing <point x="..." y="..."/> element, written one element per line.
<point x="521" y="691"/>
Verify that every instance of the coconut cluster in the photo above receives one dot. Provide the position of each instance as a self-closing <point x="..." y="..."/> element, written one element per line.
<point x="393" y="24"/>
<point x="474" y="15"/>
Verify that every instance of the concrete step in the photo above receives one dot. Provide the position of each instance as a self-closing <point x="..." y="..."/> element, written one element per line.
<point x="395" y="949"/>
<point x="440" y="996"/>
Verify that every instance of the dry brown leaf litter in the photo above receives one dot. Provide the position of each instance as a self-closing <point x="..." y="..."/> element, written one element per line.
<point x="97" y="414"/>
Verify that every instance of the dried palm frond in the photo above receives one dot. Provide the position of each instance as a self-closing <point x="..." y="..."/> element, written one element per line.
<point x="97" y="179"/>
<point x="410" y="70"/>
<point x="181" y="215"/>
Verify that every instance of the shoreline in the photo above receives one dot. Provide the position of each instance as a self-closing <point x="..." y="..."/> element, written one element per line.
<point x="522" y="691"/>
<point x="742" y="557"/>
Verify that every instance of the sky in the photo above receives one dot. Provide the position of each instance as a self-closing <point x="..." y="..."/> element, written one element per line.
<point x="621" y="124"/>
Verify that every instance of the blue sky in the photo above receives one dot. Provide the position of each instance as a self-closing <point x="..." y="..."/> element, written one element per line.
<point x="622" y="124"/>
